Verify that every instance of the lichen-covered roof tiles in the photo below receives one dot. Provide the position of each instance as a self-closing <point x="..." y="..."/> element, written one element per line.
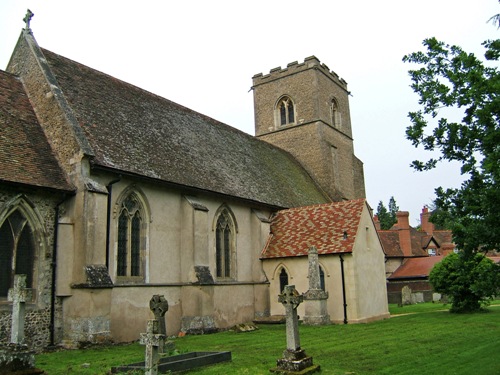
<point x="137" y="132"/>
<point x="330" y="227"/>
<point x="25" y="154"/>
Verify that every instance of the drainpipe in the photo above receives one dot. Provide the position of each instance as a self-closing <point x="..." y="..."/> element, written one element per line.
<point x="54" y="269"/>
<point x="343" y="287"/>
<point x="109" y="187"/>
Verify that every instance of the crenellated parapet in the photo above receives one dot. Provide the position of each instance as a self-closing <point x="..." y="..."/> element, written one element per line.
<point x="311" y="62"/>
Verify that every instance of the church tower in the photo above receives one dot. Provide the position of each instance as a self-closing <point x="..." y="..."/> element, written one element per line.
<point x="304" y="109"/>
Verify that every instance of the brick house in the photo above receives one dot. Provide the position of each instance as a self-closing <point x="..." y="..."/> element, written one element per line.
<point x="411" y="254"/>
<point x="128" y="195"/>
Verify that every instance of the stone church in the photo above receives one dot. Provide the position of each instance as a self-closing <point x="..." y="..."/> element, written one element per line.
<point x="110" y="194"/>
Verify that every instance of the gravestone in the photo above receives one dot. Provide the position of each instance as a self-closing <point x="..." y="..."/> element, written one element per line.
<point x="15" y="358"/>
<point x="18" y="295"/>
<point x="152" y="340"/>
<point x="315" y="298"/>
<point x="295" y="360"/>
<point x="406" y="295"/>
<point x="159" y="306"/>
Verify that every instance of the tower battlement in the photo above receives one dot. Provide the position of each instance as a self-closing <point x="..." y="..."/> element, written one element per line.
<point x="311" y="62"/>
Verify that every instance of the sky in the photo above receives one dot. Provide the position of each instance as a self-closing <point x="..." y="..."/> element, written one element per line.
<point x="203" y="54"/>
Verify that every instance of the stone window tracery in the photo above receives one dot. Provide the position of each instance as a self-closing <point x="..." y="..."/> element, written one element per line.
<point x="17" y="249"/>
<point x="225" y="244"/>
<point x="130" y="222"/>
<point x="285" y="111"/>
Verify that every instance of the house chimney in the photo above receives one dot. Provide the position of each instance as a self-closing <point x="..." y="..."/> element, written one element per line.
<point x="425" y="225"/>
<point x="403" y="225"/>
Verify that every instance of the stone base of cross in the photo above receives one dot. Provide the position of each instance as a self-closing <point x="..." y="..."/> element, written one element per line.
<point x="18" y="295"/>
<point x="153" y="341"/>
<point x="295" y="360"/>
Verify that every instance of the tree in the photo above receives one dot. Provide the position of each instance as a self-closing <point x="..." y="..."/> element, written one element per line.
<point x="470" y="281"/>
<point x="448" y="77"/>
<point x="387" y="218"/>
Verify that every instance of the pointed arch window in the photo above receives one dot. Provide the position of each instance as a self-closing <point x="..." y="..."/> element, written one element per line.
<point x="322" y="278"/>
<point x="335" y="114"/>
<point x="17" y="250"/>
<point x="130" y="242"/>
<point x="283" y="279"/>
<point x="285" y="111"/>
<point x="224" y="244"/>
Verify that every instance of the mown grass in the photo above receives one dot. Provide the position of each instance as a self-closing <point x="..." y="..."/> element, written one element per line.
<point x="426" y="341"/>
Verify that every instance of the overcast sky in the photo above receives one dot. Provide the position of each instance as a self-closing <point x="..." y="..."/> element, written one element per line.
<point x="202" y="54"/>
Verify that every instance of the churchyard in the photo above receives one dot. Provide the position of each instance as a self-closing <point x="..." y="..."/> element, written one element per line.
<point x="418" y="339"/>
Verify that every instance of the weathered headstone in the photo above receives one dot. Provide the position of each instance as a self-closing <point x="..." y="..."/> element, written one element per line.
<point x="315" y="298"/>
<point x="16" y="358"/>
<point x="294" y="359"/>
<point x="406" y="295"/>
<point x="159" y="306"/>
<point x="18" y="295"/>
<point x="152" y="340"/>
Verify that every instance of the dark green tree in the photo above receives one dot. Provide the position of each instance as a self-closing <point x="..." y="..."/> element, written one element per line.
<point x="470" y="281"/>
<point x="448" y="77"/>
<point x="387" y="217"/>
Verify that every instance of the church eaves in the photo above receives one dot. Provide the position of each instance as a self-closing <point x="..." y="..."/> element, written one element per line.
<point x="134" y="131"/>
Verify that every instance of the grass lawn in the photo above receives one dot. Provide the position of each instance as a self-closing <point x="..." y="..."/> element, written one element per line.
<point x="423" y="339"/>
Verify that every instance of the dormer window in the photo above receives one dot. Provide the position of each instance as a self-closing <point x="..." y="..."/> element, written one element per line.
<point x="285" y="111"/>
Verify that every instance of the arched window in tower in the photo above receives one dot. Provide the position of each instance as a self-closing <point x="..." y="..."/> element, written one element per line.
<point x="285" y="111"/>
<point x="17" y="249"/>
<point x="129" y="259"/>
<point x="224" y="244"/>
<point x="283" y="279"/>
<point x="335" y="114"/>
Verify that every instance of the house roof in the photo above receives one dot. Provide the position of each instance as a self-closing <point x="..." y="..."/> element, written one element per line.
<point x="390" y="243"/>
<point x="416" y="268"/>
<point x="25" y="154"/>
<point x="134" y="131"/>
<point x="296" y="230"/>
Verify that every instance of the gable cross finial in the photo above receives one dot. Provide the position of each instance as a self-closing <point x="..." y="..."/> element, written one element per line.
<point x="27" y="18"/>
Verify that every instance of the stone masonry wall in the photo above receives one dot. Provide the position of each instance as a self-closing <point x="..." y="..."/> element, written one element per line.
<point x="37" y="323"/>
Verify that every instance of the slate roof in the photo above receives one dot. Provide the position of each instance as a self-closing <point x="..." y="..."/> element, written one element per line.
<point x="25" y="154"/>
<point x="415" y="268"/>
<point x="134" y="131"/>
<point x="295" y="230"/>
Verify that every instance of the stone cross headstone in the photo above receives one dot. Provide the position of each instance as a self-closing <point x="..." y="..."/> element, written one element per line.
<point x="295" y="360"/>
<point x="291" y="299"/>
<point x="159" y="306"/>
<point x="152" y="340"/>
<point x="315" y="298"/>
<point x="18" y="295"/>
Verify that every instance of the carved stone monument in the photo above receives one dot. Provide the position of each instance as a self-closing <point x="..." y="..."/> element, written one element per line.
<point x="18" y="295"/>
<point x="295" y="360"/>
<point x="159" y="306"/>
<point x="153" y="341"/>
<point x="16" y="358"/>
<point x="315" y="298"/>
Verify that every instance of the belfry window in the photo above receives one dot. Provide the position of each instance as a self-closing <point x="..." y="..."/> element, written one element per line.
<point x="286" y="111"/>
<point x="224" y="244"/>
<point x="129" y="260"/>
<point x="335" y="114"/>
<point x="17" y="248"/>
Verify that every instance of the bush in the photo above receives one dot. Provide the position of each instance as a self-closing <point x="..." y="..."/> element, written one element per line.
<point x="469" y="280"/>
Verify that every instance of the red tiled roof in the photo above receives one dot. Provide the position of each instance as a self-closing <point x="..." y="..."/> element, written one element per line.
<point x="295" y="230"/>
<point x="390" y="243"/>
<point x="416" y="268"/>
<point x="25" y="154"/>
